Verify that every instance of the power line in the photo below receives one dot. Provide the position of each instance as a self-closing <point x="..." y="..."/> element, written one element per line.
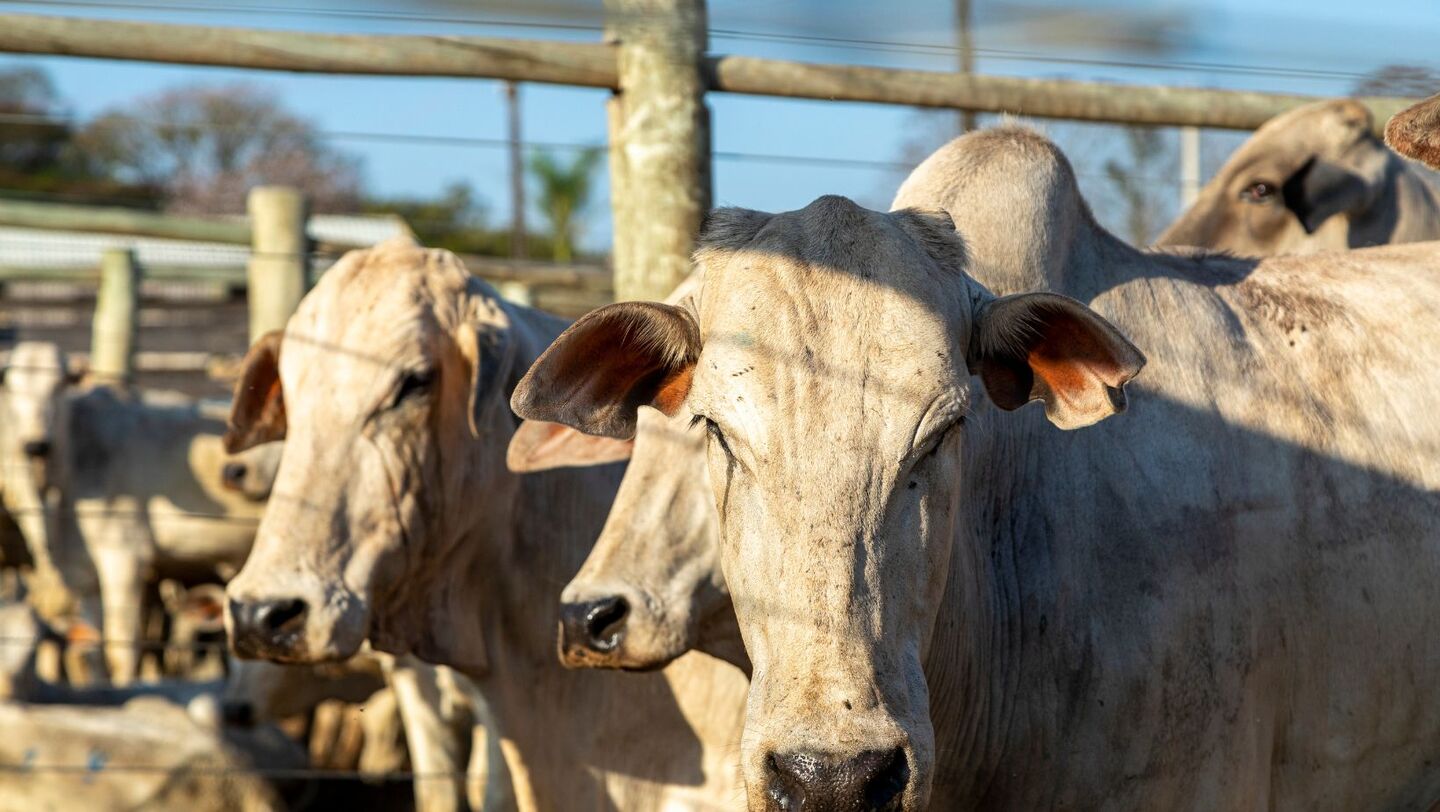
<point x="855" y="43"/>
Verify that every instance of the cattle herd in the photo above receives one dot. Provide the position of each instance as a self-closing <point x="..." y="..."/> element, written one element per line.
<point x="796" y="542"/>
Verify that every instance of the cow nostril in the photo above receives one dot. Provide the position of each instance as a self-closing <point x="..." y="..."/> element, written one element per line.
<point x="872" y="780"/>
<point x="605" y="622"/>
<point x="889" y="781"/>
<point x="282" y="615"/>
<point x="233" y="475"/>
<point x="36" y="448"/>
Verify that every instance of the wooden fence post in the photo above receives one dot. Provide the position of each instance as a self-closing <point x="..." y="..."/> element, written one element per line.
<point x="279" y="264"/>
<point x="112" y="334"/>
<point x="662" y="154"/>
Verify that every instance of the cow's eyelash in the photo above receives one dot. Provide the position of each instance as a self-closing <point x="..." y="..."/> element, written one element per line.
<point x="714" y="429"/>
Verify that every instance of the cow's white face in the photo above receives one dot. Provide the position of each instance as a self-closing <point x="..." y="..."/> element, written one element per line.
<point x="829" y="360"/>
<point x="375" y="394"/>
<point x="34" y="387"/>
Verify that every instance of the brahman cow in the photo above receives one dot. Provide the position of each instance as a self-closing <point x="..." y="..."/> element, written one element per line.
<point x="1212" y="602"/>
<point x="1313" y="179"/>
<point x="394" y="519"/>
<point x="1415" y="132"/>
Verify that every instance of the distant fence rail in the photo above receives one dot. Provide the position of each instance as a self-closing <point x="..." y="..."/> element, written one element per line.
<point x="595" y="65"/>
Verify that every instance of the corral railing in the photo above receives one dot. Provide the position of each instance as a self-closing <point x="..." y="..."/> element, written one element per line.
<point x="657" y="62"/>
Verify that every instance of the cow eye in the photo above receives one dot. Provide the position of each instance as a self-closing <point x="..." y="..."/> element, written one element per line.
<point x="416" y="382"/>
<point x="713" y="429"/>
<point x="1258" y="192"/>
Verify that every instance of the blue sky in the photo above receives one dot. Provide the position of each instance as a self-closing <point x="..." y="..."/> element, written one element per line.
<point x="1299" y="46"/>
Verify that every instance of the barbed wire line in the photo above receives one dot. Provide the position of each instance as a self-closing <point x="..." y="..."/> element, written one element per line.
<point x="814" y="40"/>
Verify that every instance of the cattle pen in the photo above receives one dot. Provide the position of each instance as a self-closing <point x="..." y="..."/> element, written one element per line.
<point x="654" y="58"/>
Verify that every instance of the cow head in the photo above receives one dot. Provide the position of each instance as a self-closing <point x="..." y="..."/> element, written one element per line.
<point x="1313" y="179"/>
<point x="1415" y="132"/>
<point x="829" y="362"/>
<point x="34" y="384"/>
<point x="388" y="387"/>
<point x="651" y="588"/>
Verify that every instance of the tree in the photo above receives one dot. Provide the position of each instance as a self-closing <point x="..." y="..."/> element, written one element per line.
<point x="206" y="146"/>
<point x="32" y="133"/>
<point x="455" y="220"/>
<point x="564" y="192"/>
<point x="1399" y="80"/>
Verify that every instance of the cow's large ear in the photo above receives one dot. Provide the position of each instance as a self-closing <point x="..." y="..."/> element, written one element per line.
<point x="610" y="363"/>
<point x="257" y="414"/>
<point x="1319" y="190"/>
<point x="540" y="446"/>
<point x="1043" y="346"/>
<point x="1415" y="132"/>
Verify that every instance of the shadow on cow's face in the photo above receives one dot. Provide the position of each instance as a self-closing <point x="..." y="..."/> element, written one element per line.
<point x="829" y="362"/>
<point x="373" y="388"/>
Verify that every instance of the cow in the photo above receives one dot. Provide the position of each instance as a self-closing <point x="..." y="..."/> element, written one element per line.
<point x="139" y="497"/>
<point x="651" y="588"/>
<point x="1309" y="180"/>
<point x="1209" y="602"/>
<point x="393" y="519"/>
<point x="1415" y="132"/>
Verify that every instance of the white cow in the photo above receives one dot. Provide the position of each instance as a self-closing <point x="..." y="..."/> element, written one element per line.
<point x="394" y="519"/>
<point x="1213" y="602"/>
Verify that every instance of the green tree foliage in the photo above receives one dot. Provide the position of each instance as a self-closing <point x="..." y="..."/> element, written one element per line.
<point x="563" y="191"/>
<point x="456" y="220"/>
<point x="36" y="148"/>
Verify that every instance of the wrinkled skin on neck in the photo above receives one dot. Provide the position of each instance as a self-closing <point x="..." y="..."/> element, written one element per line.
<point x="836" y="568"/>
<point x="659" y="551"/>
<point x="382" y="475"/>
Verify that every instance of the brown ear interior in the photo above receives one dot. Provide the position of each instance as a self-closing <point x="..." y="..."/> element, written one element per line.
<point x="257" y="414"/>
<point x="1047" y="347"/>
<point x="597" y="374"/>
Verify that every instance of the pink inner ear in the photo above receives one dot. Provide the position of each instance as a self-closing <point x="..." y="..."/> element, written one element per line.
<point x="540" y="446"/>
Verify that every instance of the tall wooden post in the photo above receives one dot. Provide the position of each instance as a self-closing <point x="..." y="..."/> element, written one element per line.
<point x="659" y="150"/>
<point x="112" y="334"/>
<point x="965" y="56"/>
<point x="279" y="256"/>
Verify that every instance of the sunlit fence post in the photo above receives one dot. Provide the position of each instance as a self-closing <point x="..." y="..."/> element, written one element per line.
<point x="659" y="146"/>
<point x="112" y="335"/>
<point x="279" y="259"/>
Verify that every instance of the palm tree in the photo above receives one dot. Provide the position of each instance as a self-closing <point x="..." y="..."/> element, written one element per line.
<point x="564" y="192"/>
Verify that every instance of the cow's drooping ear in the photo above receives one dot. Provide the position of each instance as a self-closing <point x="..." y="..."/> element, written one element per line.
<point x="610" y="363"/>
<point x="1043" y="346"/>
<point x="1415" y="132"/>
<point x="1320" y="189"/>
<point x="540" y="446"/>
<point x="490" y="351"/>
<point x="257" y="415"/>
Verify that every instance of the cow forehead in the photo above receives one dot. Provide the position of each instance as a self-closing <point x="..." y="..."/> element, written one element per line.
<point x="868" y="338"/>
<point x="372" y="317"/>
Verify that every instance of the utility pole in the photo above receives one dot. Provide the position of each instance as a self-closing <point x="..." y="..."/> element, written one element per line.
<point x="517" y="172"/>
